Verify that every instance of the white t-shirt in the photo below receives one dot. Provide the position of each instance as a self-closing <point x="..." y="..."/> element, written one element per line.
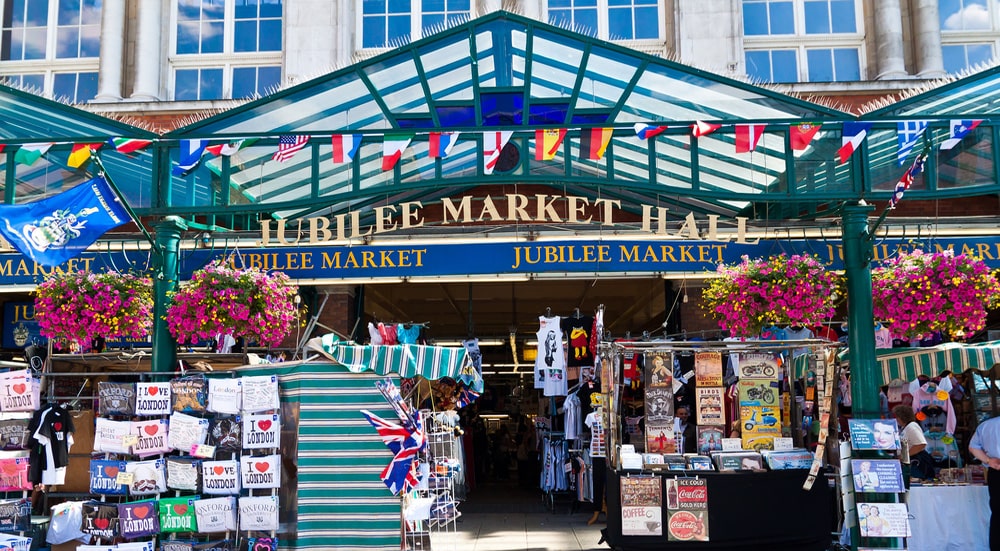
<point x="571" y="408"/>
<point x="912" y="435"/>
<point x="550" y="363"/>
<point x="597" y="441"/>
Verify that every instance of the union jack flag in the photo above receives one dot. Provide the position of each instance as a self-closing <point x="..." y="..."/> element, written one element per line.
<point x="906" y="181"/>
<point x="405" y="442"/>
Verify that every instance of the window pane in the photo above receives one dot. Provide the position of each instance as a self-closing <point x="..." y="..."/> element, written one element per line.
<point x="271" y="8"/>
<point x="843" y="16"/>
<point x="978" y="54"/>
<point x="846" y="64"/>
<point x="244" y="82"/>
<point x="86" y="87"/>
<point x="211" y="84"/>
<point x="620" y="24"/>
<point x="211" y="37"/>
<point x="34" y="43"/>
<point x="647" y="23"/>
<point x="399" y="29"/>
<point x="786" y="65"/>
<point x="754" y="18"/>
<point x="759" y="65"/>
<point x="37" y="13"/>
<point x="371" y="7"/>
<point x="399" y="6"/>
<point x="374" y="32"/>
<point x="34" y="81"/>
<point x="245" y="36"/>
<point x="958" y="15"/>
<point x="90" y="41"/>
<point x="432" y="6"/>
<point x="68" y="42"/>
<point x="432" y="23"/>
<point x="69" y="12"/>
<point x="820" y="65"/>
<point x="247" y="9"/>
<point x="782" y="16"/>
<point x="188" y="10"/>
<point x="64" y="86"/>
<point x="187" y="38"/>
<point x="186" y="85"/>
<point x="270" y="35"/>
<point x="91" y="12"/>
<point x="817" y="16"/>
<point x="268" y="79"/>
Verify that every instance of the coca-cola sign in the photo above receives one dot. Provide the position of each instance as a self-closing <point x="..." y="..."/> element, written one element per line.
<point x="693" y="495"/>
<point x="684" y="526"/>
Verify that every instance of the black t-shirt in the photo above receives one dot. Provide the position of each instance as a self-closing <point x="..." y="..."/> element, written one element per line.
<point x="577" y="331"/>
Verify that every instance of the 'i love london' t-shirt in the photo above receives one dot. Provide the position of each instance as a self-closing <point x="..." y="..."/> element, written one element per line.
<point x="261" y="431"/>
<point x="220" y="477"/>
<point x="152" y="399"/>
<point x="138" y="519"/>
<point x="177" y="514"/>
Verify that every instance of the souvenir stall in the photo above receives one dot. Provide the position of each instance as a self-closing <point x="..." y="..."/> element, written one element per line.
<point x="263" y="457"/>
<point x="748" y="479"/>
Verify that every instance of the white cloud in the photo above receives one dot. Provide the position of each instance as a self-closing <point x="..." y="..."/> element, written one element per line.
<point x="972" y="17"/>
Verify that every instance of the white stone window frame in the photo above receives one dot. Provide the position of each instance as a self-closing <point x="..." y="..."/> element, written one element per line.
<point x="227" y="60"/>
<point x="977" y="37"/>
<point x="802" y="42"/>
<point x="51" y="65"/>
<point x="416" y="27"/>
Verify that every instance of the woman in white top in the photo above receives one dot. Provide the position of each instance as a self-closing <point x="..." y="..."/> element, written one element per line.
<point x="912" y="436"/>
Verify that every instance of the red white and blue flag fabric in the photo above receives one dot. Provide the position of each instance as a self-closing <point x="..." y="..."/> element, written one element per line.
<point x="190" y="155"/>
<point x="647" y="131"/>
<point x="344" y="147"/>
<point x="854" y="134"/>
<point x="957" y="131"/>
<point x="288" y="146"/>
<point x="906" y="181"/>
<point x="405" y="443"/>
<point x="441" y="143"/>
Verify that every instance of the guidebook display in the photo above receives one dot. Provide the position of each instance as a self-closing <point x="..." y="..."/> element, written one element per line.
<point x="193" y="463"/>
<point x="870" y="440"/>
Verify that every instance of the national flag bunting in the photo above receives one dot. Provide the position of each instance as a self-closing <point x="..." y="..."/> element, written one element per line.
<point x="594" y="142"/>
<point x="440" y="144"/>
<point x="225" y="149"/>
<point x="908" y="134"/>
<point x="959" y="130"/>
<point x="392" y="150"/>
<point x="701" y="128"/>
<point x="288" y="146"/>
<point x="801" y="134"/>
<point x="493" y="144"/>
<point x="190" y="155"/>
<point x="747" y="136"/>
<point x="853" y="136"/>
<point x="647" y="131"/>
<point x="28" y="153"/>
<point x="404" y="443"/>
<point x="128" y="145"/>
<point x="547" y="143"/>
<point x="230" y="150"/>
<point x="906" y="181"/>
<point x="53" y="230"/>
<point x="80" y="154"/>
<point x="345" y="146"/>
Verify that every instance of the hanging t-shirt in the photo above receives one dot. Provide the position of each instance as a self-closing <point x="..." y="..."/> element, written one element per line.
<point x="115" y="398"/>
<point x="100" y="520"/>
<point x="475" y="354"/>
<point x="111" y="436"/>
<point x="189" y="394"/>
<point x="407" y="335"/>
<point x="550" y="364"/>
<point x="148" y="477"/>
<point x="177" y="514"/>
<point x="14" y="433"/>
<point x="104" y="477"/>
<point x="388" y="332"/>
<point x="220" y="545"/>
<point x="224" y="395"/>
<point x="933" y="400"/>
<point x="138" y="519"/>
<point x="19" y="391"/>
<point x="152" y="399"/>
<point x="261" y="431"/>
<point x="262" y="544"/>
<point x="220" y="477"/>
<point x="226" y="433"/>
<point x="259" y="513"/>
<point x="883" y="338"/>
<point x="800" y="334"/>
<point x="186" y="431"/>
<point x="631" y="367"/>
<point x="376" y="337"/>
<point x="14" y="474"/>
<point x="578" y="331"/>
<point x="217" y="514"/>
<point x="260" y="393"/>
<point x="54" y="434"/>
<point x="150" y="437"/>
<point x="597" y="439"/>
<point x="15" y="515"/>
<point x="183" y="473"/>
<point x="261" y="471"/>
<point x="571" y="409"/>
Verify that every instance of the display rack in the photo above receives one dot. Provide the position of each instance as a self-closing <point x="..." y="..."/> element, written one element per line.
<point x="431" y="511"/>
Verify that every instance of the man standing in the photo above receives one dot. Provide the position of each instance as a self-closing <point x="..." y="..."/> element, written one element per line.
<point x="985" y="446"/>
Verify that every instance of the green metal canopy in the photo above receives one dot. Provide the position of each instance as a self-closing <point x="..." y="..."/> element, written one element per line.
<point x="30" y="119"/>
<point x="503" y="72"/>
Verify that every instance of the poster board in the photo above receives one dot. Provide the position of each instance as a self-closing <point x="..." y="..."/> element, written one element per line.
<point x="642" y="507"/>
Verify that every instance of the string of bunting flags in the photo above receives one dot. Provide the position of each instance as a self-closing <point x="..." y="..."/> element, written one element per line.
<point x="548" y="142"/>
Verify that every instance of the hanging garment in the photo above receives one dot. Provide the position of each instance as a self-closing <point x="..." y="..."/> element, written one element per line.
<point x="51" y="438"/>
<point x="407" y="335"/>
<point x="550" y="364"/>
<point x="573" y="422"/>
<point x="376" y="336"/>
<point x="597" y="438"/>
<point x="933" y="400"/>
<point x="578" y="331"/>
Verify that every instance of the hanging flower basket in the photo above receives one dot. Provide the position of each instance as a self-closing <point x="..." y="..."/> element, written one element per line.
<point x="753" y="294"/>
<point x="917" y="293"/>
<point x="249" y="303"/>
<point x="80" y="306"/>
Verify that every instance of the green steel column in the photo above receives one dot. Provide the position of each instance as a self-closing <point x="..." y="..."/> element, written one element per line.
<point x="860" y="320"/>
<point x="168" y="240"/>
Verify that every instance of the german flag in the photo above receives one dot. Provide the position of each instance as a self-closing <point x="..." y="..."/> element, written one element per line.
<point x="594" y="142"/>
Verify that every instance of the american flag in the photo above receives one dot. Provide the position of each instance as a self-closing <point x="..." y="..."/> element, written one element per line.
<point x="288" y="146"/>
<point x="404" y="443"/>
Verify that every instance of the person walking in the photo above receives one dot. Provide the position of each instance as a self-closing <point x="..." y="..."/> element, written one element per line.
<point x="985" y="446"/>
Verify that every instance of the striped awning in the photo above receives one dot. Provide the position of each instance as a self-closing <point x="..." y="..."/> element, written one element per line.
<point x="908" y="363"/>
<point x="406" y="360"/>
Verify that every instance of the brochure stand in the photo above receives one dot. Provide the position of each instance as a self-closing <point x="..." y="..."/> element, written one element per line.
<point x="878" y="485"/>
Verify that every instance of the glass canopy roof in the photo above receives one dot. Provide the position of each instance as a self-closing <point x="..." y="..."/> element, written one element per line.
<point x="503" y="72"/>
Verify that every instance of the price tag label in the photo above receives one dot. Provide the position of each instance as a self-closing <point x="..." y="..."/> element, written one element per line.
<point x="732" y="444"/>
<point x="203" y="450"/>
<point x="124" y="479"/>
<point x="782" y="443"/>
<point x="130" y="440"/>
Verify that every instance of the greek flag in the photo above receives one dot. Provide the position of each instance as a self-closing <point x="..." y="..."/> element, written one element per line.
<point x="909" y="133"/>
<point x="54" y="230"/>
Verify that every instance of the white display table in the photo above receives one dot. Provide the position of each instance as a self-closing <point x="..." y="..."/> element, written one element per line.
<point x="945" y="518"/>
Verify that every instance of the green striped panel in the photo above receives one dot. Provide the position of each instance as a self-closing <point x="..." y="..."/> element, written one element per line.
<point x="342" y="502"/>
<point x="908" y="363"/>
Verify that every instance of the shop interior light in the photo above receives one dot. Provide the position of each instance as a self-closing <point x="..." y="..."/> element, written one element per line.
<point x="482" y="342"/>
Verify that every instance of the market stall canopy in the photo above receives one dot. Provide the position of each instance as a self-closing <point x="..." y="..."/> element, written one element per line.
<point x="407" y="360"/>
<point x="908" y="363"/>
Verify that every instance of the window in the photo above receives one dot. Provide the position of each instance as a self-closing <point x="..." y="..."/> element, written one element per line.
<point x="226" y="48"/>
<point x="387" y="23"/>
<point x="969" y="33"/>
<point x="52" y="46"/>
<point x="803" y="40"/>
<point x="609" y="19"/>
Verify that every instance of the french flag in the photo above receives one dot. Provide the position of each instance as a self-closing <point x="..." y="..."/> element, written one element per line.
<point x="647" y="131"/>
<point x="392" y="150"/>
<point x="441" y="143"/>
<point x="344" y="147"/>
<point x="853" y="136"/>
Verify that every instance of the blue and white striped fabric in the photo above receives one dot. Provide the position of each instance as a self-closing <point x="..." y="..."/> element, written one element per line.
<point x="909" y="133"/>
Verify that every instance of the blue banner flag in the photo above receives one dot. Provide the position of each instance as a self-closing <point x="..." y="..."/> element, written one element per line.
<point x="54" y="230"/>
